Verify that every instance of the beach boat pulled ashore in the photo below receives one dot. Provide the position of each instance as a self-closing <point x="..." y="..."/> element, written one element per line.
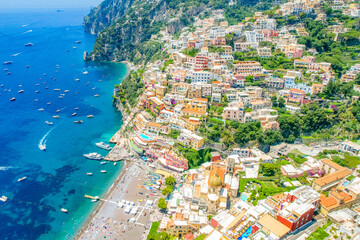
<point x="103" y="145"/>
<point x="93" y="156"/>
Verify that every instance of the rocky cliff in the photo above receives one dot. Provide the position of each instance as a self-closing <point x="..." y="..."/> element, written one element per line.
<point x="108" y="12"/>
<point x="127" y="28"/>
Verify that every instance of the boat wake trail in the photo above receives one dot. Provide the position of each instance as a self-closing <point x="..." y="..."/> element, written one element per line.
<point x="43" y="140"/>
<point x="4" y="168"/>
<point x="14" y="55"/>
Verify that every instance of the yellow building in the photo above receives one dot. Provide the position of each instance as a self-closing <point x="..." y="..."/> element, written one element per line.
<point x="192" y="124"/>
<point x="188" y="112"/>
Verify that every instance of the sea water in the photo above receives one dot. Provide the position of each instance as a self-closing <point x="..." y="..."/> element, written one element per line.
<point x="56" y="178"/>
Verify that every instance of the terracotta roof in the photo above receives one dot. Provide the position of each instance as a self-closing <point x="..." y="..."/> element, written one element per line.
<point x="202" y="99"/>
<point x="297" y="90"/>
<point x="152" y="124"/>
<point x="188" y="110"/>
<point x="332" y="164"/>
<point x="328" y="202"/>
<point x="332" y="177"/>
<point x="346" y="196"/>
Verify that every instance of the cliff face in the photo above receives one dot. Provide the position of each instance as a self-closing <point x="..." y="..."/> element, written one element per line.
<point x="128" y="26"/>
<point x="108" y="12"/>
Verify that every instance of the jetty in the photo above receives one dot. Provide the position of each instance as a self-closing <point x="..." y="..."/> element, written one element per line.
<point x="119" y="152"/>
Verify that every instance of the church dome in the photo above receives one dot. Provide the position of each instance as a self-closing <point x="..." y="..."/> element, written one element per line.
<point x="215" y="180"/>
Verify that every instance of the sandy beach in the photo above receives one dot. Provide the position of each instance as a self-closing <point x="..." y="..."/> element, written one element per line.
<point x="110" y="221"/>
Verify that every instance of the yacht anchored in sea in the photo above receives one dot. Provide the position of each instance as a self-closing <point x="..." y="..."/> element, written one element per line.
<point x="93" y="156"/>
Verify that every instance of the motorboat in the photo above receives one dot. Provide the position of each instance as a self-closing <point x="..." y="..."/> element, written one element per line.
<point x="76" y="108"/>
<point x="89" y="116"/>
<point x="35" y="100"/>
<point x="78" y="121"/>
<point x="27" y="66"/>
<point x="2" y="85"/>
<point x="3" y="198"/>
<point x="74" y="114"/>
<point x="21" y="179"/>
<point x="96" y="95"/>
<point x="21" y="91"/>
<point x="48" y="103"/>
<point x="8" y="73"/>
<point x="56" y="89"/>
<point x="102" y="163"/>
<point x="56" y="116"/>
<point x="12" y="99"/>
<point x="93" y="156"/>
<point x="49" y="123"/>
<point x="78" y="42"/>
<point x="66" y="91"/>
<point x="86" y="72"/>
<point x="6" y="69"/>
<point x="37" y="91"/>
<point x="29" y="44"/>
<point x="103" y="145"/>
<point x="103" y="171"/>
<point x="42" y="147"/>
<point x="89" y="174"/>
<point x="115" y="163"/>
<point x="74" y="47"/>
<point x="41" y="109"/>
<point x="77" y="79"/>
<point x="64" y="210"/>
<point x="7" y="62"/>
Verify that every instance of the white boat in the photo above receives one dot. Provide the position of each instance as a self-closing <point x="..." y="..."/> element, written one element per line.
<point x="56" y="116"/>
<point x="93" y="200"/>
<point x="66" y="91"/>
<point x="96" y="95"/>
<point x="103" y="171"/>
<point x="48" y="103"/>
<point x="58" y="110"/>
<point x="115" y="163"/>
<point x="86" y="72"/>
<point x="93" y="156"/>
<point x="78" y="121"/>
<point x="89" y="174"/>
<point x="21" y="179"/>
<point x="90" y="116"/>
<point x="102" y="163"/>
<point x="42" y="147"/>
<point x="74" y="114"/>
<point x="21" y="91"/>
<point x="3" y="198"/>
<point x="12" y="99"/>
<point x="49" y="123"/>
<point x="56" y="89"/>
<point x="77" y="79"/>
<point x="41" y="109"/>
<point x="37" y="91"/>
<point x="64" y="210"/>
<point x="103" y="145"/>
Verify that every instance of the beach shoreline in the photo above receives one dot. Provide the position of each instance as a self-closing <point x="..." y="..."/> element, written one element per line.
<point x="110" y="190"/>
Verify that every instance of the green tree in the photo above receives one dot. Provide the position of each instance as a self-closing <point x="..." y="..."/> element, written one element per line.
<point x="162" y="204"/>
<point x="170" y="181"/>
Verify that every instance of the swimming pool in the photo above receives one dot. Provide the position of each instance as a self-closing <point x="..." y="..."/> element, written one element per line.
<point x="145" y="137"/>
<point x="246" y="233"/>
<point x="244" y="197"/>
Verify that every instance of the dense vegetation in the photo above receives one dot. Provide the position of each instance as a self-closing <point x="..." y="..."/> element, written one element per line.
<point x="130" y="88"/>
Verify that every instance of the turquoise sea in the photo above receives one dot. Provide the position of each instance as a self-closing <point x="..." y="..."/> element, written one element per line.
<point x="56" y="178"/>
